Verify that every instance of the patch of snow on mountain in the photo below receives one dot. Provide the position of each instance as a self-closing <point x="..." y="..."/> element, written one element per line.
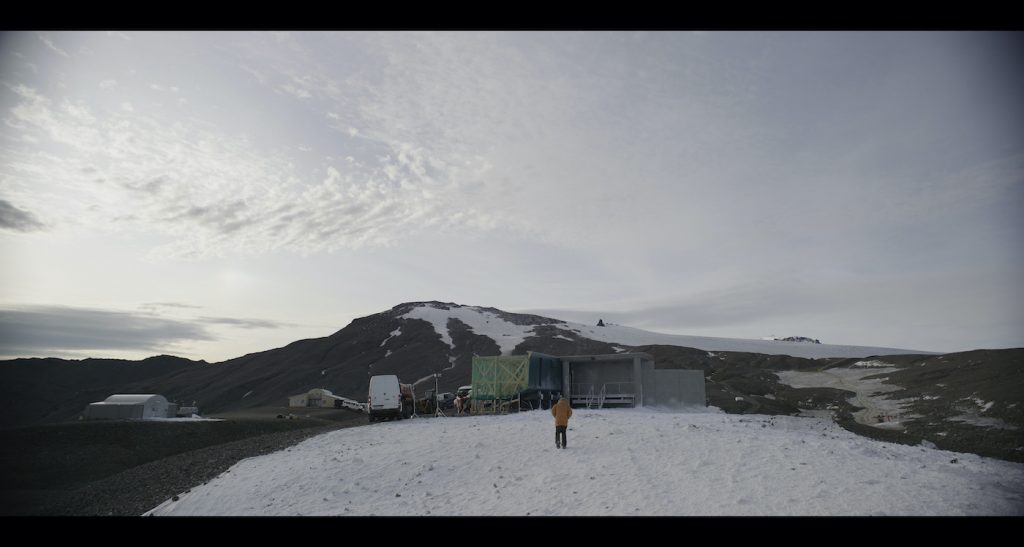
<point x="624" y="462"/>
<point x="870" y="364"/>
<point x="507" y="335"/>
<point x="982" y="421"/>
<point x="394" y="333"/>
<point x="984" y="406"/>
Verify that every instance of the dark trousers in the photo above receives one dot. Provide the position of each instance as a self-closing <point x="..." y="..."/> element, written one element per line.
<point x="560" y="435"/>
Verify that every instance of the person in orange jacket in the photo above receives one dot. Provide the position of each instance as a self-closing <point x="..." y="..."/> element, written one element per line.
<point x="561" y="411"/>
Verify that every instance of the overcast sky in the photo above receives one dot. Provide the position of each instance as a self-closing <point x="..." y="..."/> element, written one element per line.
<point x="212" y="194"/>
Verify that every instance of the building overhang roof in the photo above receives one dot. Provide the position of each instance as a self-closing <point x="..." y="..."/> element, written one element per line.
<point x="606" y="357"/>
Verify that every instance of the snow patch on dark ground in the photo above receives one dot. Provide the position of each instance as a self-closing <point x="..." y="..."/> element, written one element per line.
<point x="878" y="411"/>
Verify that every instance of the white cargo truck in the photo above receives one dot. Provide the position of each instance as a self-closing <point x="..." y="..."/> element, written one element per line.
<point x="385" y="398"/>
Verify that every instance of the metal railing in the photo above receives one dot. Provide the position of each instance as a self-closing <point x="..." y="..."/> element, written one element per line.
<point x="598" y="402"/>
<point x="592" y="397"/>
<point x="620" y="388"/>
<point x="595" y="397"/>
<point x="582" y="391"/>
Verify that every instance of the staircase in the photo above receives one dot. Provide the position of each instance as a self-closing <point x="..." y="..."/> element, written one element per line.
<point x="598" y="400"/>
<point x="581" y="395"/>
<point x="587" y="395"/>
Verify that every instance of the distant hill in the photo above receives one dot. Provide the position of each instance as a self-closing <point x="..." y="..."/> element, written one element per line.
<point x="53" y="390"/>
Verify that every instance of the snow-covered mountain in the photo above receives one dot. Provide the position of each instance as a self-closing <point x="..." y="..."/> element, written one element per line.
<point x="413" y="340"/>
<point x="510" y="330"/>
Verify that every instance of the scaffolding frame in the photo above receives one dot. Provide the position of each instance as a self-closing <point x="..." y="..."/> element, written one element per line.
<point x="497" y="383"/>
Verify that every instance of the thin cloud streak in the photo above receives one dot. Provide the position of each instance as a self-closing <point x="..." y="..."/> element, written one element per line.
<point x="154" y="307"/>
<point x="245" y="323"/>
<point x="53" y="47"/>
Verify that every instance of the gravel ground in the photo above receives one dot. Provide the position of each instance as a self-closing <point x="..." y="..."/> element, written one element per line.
<point x="48" y="491"/>
<point x="142" y="488"/>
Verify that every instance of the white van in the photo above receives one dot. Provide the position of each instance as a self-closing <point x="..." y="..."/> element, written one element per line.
<point x="385" y="397"/>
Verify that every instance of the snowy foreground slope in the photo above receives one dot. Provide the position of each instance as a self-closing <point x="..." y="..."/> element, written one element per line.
<point x="508" y="335"/>
<point x="619" y="462"/>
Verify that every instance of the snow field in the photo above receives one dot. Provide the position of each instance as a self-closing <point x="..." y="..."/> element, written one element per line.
<point x="508" y="335"/>
<point x="619" y="462"/>
<point x="636" y="337"/>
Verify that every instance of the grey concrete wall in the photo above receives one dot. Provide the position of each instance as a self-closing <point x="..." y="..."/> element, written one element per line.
<point x="639" y="367"/>
<point x="114" y="412"/>
<point x="155" y="408"/>
<point x="566" y="380"/>
<point x="600" y="372"/>
<point x="647" y="395"/>
<point x="674" y="388"/>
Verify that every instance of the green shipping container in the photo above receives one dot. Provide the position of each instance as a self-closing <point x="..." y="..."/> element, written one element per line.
<point x="499" y="377"/>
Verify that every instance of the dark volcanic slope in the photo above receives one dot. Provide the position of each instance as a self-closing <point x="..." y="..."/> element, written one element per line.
<point x="344" y="361"/>
<point x="52" y="390"/>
